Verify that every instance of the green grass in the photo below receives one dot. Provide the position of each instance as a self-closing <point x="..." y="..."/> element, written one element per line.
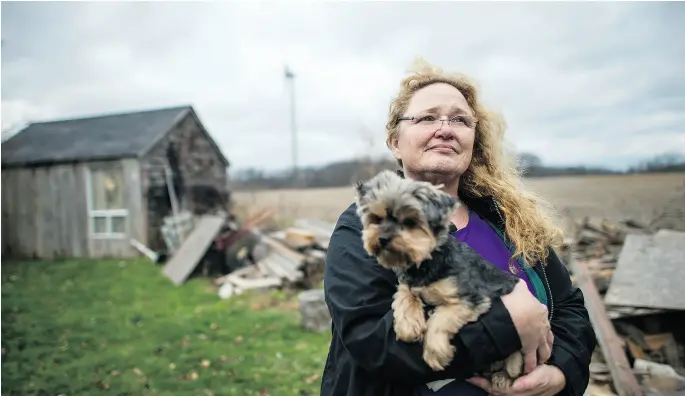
<point x="122" y="328"/>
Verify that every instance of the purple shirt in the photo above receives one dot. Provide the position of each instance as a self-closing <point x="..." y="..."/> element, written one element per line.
<point x="484" y="240"/>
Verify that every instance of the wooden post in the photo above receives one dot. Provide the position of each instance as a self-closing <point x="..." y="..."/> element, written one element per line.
<point x="622" y="374"/>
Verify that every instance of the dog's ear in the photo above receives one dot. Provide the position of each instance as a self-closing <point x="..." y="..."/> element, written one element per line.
<point x="361" y="189"/>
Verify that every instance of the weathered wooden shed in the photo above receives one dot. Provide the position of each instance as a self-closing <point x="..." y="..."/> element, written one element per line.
<point x="84" y="187"/>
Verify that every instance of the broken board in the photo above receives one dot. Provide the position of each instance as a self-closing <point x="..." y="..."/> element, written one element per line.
<point x="193" y="248"/>
<point x="650" y="272"/>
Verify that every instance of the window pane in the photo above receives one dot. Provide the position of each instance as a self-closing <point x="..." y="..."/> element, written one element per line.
<point x="107" y="184"/>
<point x="119" y="225"/>
<point x="99" y="225"/>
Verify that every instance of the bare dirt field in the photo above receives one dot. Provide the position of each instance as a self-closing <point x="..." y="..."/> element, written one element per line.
<point x="614" y="197"/>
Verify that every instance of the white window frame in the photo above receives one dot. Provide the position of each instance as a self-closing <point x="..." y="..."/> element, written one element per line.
<point x="106" y="213"/>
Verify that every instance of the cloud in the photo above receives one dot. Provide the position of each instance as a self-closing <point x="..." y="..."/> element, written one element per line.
<point x="590" y="82"/>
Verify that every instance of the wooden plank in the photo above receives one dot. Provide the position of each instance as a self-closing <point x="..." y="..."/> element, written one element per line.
<point x="49" y="196"/>
<point x="7" y="212"/>
<point x="624" y="380"/>
<point x="134" y="200"/>
<point x="256" y="283"/>
<point x="639" y="279"/>
<point x="14" y="215"/>
<point x="283" y="250"/>
<point x="193" y="248"/>
<point x="279" y="267"/>
<point x="76" y="212"/>
<point x="299" y="238"/>
<point x="81" y="207"/>
<point x="44" y="213"/>
<point x="321" y="229"/>
<point x="62" y="195"/>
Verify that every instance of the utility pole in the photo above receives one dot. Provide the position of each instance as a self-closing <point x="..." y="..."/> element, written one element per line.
<point x="290" y="77"/>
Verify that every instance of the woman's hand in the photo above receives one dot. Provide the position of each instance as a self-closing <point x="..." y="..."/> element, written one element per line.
<point x="530" y="320"/>
<point x="544" y="380"/>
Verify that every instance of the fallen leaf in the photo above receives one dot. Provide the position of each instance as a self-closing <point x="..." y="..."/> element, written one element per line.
<point x="206" y="363"/>
<point x="223" y="358"/>
<point x="214" y="326"/>
<point x="193" y="376"/>
<point x="239" y="339"/>
<point x="137" y="371"/>
<point x="114" y="373"/>
<point x="311" y="379"/>
<point x="172" y="366"/>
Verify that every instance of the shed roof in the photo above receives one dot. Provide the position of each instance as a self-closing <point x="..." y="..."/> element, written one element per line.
<point x="92" y="138"/>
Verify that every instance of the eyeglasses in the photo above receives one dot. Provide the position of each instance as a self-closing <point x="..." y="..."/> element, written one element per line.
<point x="430" y="121"/>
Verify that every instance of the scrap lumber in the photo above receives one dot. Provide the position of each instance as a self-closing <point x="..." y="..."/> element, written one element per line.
<point x="649" y="272"/>
<point x="594" y="246"/>
<point x="321" y="230"/>
<point x="293" y="257"/>
<point x="176" y="228"/>
<point x="298" y="238"/>
<point x="251" y="222"/>
<point x="294" y="267"/>
<point x="193" y="248"/>
<point x="152" y="255"/>
<point x="246" y="278"/>
<point x="623" y="378"/>
<point x="600" y="238"/>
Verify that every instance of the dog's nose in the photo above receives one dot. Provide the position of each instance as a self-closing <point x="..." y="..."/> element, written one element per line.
<point x="384" y="240"/>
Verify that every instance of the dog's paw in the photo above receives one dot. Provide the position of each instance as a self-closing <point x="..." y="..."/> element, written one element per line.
<point x="438" y="352"/>
<point x="410" y="329"/>
<point x="501" y="382"/>
<point x="514" y="365"/>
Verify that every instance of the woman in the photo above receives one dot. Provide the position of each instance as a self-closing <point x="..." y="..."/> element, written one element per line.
<point x="439" y="132"/>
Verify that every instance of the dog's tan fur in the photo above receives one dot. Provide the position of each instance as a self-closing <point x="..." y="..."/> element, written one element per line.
<point x="449" y="316"/>
<point x="408" y="314"/>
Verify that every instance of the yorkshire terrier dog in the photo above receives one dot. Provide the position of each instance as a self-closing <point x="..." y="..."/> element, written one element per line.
<point x="406" y="228"/>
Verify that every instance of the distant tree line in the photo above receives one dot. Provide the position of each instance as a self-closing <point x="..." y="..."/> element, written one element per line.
<point x="346" y="173"/>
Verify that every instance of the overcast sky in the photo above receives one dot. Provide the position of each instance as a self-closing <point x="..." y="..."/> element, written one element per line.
<point x="590" y="83"/>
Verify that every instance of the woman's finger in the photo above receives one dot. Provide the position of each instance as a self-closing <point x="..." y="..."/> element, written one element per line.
<point x="530" y="359"/>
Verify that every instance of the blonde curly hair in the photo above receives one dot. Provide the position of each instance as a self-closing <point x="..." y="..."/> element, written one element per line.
<point x="492" y="171"/>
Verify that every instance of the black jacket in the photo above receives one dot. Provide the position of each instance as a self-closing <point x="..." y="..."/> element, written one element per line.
<point x="365" y="358"/>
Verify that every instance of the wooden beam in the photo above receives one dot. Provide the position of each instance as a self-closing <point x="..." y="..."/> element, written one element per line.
<point x="622" y="374"/>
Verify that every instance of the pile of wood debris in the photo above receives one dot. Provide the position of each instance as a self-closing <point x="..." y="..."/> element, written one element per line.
<point x="245" y="256"/>
<point x="629" y="275"/>
<point x="292" y="258"/>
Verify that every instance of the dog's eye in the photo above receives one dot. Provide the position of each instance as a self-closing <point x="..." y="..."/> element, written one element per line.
<point x="409" y="222"/>
<point x="374" y="219"/>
